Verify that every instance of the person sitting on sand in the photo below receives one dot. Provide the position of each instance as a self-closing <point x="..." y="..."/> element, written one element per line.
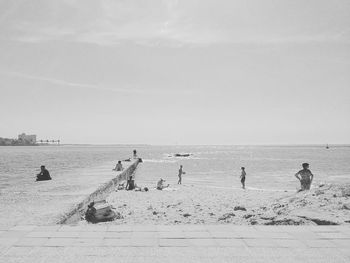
<point x="90" y="214"/>
<point x="118" y="166"/>
<point x="160" y="184"/>
<point x="305" y="177"/>
<point x="43" y="175"/>
<point x="181" y="172"/>
<point x="243" y="174"/>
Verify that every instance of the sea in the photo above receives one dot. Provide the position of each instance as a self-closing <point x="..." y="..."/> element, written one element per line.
<point x="269" y="168"/>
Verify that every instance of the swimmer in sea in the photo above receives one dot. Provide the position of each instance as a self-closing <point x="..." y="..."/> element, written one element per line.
<point x="305" y="177"/>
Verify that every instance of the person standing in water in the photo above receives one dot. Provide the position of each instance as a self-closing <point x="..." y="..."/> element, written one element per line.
<point x="243" y="174"/>
<point x="305" y="177"/>
<point x="181" y="172"/>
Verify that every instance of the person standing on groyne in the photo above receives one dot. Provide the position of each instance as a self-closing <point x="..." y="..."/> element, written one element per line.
<point x="243" y="175"/>
<point x="305" y="177"/>
<point x="181" y="172"/>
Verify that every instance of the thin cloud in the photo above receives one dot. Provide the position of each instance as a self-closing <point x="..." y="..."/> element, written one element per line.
<point x="65" y="83"/>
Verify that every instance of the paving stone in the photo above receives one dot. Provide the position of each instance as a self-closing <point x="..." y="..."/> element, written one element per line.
<point x="260" y="242"/>
<point x="203" y="242"/>
<point x="47" y="228"/>
<point x="120" y="228"/>
<point x="66" y="234"/>
<point x="277" y="235"/>
<point x="23" y="228"/>
<point x="18" y="251"/>
<point x="174" y="242"/>
<point x="143" y="242"/>
<point x="116" y="242"/>
<point x="333" y="235"/>
<point x="31" y="242"/>
<point x="175" y="234"/>
<point x="144" y="228"/>
<point x="319" y="243"/>
<point x="140" y="234"/>
<point x="110" y="234"/>
<point x="69" y="228"/>
<point x="13" y="234"/>
<point x="290" y="243"/>
<point x="198" y="234"/>
<point x="59" y="242"/>
<point x="40" y="234"/>
<point x="221" y="234"/>
<point x="89" y="234"/>
<point x="230" y="242"/>
<point x="94" y="228"/>
<point x="87" y="242"/>
<point x="341" y="243"/>
<point x="8" y="241"/>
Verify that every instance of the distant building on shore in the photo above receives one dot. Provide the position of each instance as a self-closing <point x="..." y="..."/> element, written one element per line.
<point x="27" y="139"/>
<point x="23" y="140"/>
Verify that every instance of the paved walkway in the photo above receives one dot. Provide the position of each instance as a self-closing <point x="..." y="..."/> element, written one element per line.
<point x="182" y="243"/>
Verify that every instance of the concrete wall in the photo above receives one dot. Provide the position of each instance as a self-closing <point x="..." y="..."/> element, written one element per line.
<point x="75" y="214"/>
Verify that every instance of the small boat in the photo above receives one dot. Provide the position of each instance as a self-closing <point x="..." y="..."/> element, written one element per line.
<point x="182" y="154"/>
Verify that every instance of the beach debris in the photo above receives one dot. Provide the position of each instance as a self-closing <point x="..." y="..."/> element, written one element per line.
<point x="253" y="222"/>
<point x="241" y="208"/>
<point x="319" y="192"/>
<point x="346" y="206"/>
<point x="150" y="207"/>
<point x="247" y="216"/>
<point x="285" y="221"/>
<point x="186" y="215"/>
<point x="154" y="212"/>
<point x="211" y="214"/>
<point x="345" y="191"/>
<point x="226" y="216"/>
<point x="267" y="217"/>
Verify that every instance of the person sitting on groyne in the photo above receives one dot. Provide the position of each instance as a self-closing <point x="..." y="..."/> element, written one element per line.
<point x="160" y="184"/>
<point x="305" y="177"/>
<point x="43" y="175"/>
<point x="118" y="166"/>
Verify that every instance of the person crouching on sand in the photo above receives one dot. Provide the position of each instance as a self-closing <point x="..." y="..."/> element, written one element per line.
<point x="305" y="177"/>
<point x="160" y="184"/>
<point x="181" y="172"/>
<point x="243" y="174"/>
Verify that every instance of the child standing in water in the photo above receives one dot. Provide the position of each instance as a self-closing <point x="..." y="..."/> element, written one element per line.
<point x="243" y="174"/>
<point x="305" y="177"/>
<point x="181" y="172"/>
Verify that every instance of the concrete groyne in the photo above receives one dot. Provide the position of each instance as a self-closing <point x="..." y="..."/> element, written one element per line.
<point x="74" y="214"/>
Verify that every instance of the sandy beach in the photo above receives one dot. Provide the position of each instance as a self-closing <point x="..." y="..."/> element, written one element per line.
<point x="189" y="204"/>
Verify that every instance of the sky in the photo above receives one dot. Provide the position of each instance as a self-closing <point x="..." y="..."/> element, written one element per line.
<point x="176" y="71"/>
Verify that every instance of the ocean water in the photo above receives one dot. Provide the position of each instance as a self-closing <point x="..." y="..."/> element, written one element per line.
<point x="268" y="167"/>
